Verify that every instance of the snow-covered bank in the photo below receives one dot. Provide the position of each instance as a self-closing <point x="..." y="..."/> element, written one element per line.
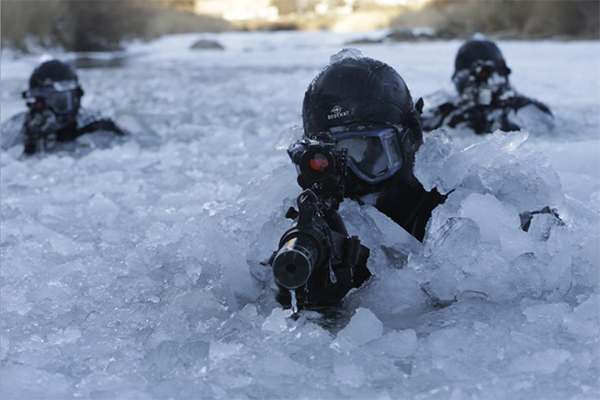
<point x="126" y="273"/>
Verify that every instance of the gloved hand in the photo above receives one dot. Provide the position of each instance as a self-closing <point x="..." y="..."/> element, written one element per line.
<point x="40" y="126"/>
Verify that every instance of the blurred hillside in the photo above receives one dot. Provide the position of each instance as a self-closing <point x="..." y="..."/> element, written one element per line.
<point x="89" y="25"/>
<point x="99" y="25"/>
<point x="508" y="19"/>
<point x="517" y="19"/>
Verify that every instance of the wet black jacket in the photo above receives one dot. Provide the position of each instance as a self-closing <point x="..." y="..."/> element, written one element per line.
<point x="17" y="131"/>
<point x="459" y="112"/>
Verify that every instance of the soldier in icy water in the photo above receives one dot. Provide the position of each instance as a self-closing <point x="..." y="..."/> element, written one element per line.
<point x="485" y="100"/>
<point x="361" y="133"/>
<point x="55" y="120"/>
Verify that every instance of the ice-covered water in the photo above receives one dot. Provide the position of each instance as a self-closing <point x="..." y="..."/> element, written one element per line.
<point x="133" y="272"/>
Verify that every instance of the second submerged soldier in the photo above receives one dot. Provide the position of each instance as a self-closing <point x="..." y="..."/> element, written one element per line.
<point x="486" y="101"/>
<point x="55" y="120"/>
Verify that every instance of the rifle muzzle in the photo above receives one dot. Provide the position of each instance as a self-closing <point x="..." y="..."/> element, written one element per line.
<point x="296" y="259"/>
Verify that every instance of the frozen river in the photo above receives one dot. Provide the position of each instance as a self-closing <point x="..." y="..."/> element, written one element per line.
<point x="133" y="272"/>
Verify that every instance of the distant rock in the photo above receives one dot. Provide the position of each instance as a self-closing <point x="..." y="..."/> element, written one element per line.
<point x="99" y="60"/>
<point x="204" y="44"/>
<point x="401" y="35"/>
<point x="365" y="41"/>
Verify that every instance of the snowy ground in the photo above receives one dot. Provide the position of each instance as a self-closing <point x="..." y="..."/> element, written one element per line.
<point x="126" y="273"/>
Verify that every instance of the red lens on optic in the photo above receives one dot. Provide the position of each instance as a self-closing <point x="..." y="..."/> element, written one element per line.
<point x="484" y="73"/>
<point x="319" y="163"/>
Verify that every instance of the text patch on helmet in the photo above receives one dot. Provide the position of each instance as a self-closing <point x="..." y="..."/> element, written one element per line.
<point x="337" y="112"/>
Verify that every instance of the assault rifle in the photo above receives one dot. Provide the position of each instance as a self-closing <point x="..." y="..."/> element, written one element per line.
<point x="317" y="262"/>
<point x="39" y="129"/>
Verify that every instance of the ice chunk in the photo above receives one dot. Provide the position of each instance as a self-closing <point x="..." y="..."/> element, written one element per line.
<point x="524" y="179"/>
<point x="545" y="362"/>
<point x="27" y="382"/>
<point x="279" y="365"/>
<point x="584" y="319"/>
<point x="14" y="300"/>
<point x="193" y="352"/>
<point x="109" y="385"/>
<point x="497" y="221"/>
<point x="222" y="351"/>
<point x="169" y="354"/>
<point x="350" y="53"/>
<point x="541" y="226"/>
<point x="102" y="209"/>
<point x="390" y="244"/>
<point x="363" y="328"/>
<point x="475" y="244"/>
<point x="393" y="295"/>
<point x="459" y="351"/>
<point x="586" y="267"/>
<point x="68" y="335"/>
<point x="544" y="313"/>
<point x="349" y="374"/>
<point x="4" y="346"/>
<point x="457" y="238"/>
<point x="463" y="168"/>
<point x="431" y="157"/>
<point x="527" y="276"/>
<point x="401" y="344"/>
<point x="277" y="321"/>
<point x="498" y="165"/>
<point x="289" y="136"/>
<point x="491" y="215"/>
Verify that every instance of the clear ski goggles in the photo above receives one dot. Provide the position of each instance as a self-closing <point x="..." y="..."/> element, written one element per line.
<point x="60" y="97"/>
<point x="373" y="155"/>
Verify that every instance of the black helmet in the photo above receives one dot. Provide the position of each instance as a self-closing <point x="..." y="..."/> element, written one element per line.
<point x="50" y="72"/>
<point x="356" y="91"/>
<point x="55" y="85"/>
<point x="480" y="49"/>
<point x="365" y="105"/>
<point x="478" y="62"/>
